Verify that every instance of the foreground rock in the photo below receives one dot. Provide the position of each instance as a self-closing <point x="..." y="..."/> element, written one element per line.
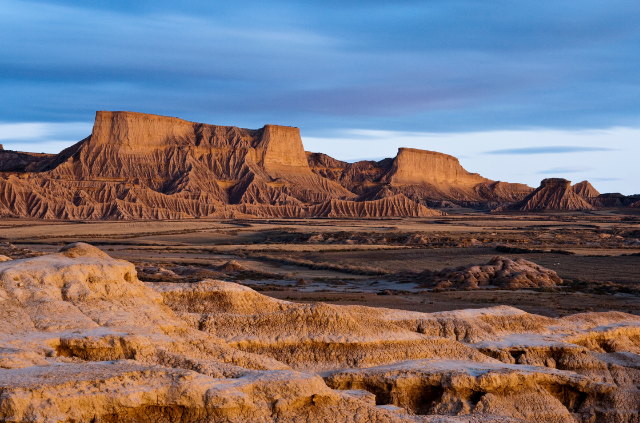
<point x="81" y="339"/>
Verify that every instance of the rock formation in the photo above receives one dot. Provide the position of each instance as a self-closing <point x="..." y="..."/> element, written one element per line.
<point x="17" y="161"/>
<point x="585" y="190"/>
<point x="500" y="272"/>
<point x="553" y="194"/>
<point x="613" y="200"/>
<point x="82" y="339"/>
<point x="426" y="177"/>
<point x="139" y="166"/>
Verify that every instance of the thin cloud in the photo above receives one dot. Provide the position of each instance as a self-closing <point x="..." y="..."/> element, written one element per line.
<point x="549" y="150"/>
<point x="566" y="169"/>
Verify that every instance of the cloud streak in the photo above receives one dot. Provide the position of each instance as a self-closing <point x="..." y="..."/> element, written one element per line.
<point x="552" y="149"/>
<point x="566" y="169"/>
<point x="444" y="66"/>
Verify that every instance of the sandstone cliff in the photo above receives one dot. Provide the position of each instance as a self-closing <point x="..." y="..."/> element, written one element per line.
<point x="553" y="194"/>
<point x="426" y="177"/>
<point x="140" y="166"/>
<point x="82" y="339"/>
<point x="136" y="166"/>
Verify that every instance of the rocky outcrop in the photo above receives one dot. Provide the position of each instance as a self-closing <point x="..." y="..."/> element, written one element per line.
<point x="553" y="194"/>
<point x="141" y="166"/>
<point x="585" y="190"/>
<point x="426" y="177"/>
<point x="499" y="272"/>
<point x="416" y="167"/>
<point x="17" y="161"/>
<point x="82" y="339"/>
<point x="613" y="200"/>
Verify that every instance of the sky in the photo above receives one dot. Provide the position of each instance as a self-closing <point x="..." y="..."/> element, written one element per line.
<point x="518" y="91"/>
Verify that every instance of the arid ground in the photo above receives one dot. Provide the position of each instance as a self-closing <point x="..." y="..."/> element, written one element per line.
<point x="366" y="262"/>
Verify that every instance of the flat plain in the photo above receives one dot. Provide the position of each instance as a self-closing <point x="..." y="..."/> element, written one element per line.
<point x="374" y="262"/>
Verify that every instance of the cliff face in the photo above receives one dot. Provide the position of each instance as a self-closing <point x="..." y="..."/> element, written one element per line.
<point x="426" y="177"/>
<point x="140" y="166"/>
<point x="157" y="149"/>
<point x="414" y="167"/>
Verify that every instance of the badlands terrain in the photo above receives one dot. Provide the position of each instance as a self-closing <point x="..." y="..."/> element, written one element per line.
<point x="470" y="317"/>
<point x="139" y="166"/>
<point x="167" y="271"/>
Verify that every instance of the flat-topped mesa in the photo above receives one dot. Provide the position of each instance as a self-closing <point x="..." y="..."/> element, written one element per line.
<point x="140" y="133"/>
<point x="412" y="167"/>
<point x="142" y="146"/>
<point x="277" y="147"/>
<point x="555" y="183"/>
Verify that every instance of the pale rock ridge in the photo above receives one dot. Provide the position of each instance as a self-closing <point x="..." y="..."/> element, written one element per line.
<point x="81" y="339"/>
<point x="553" y="194"/>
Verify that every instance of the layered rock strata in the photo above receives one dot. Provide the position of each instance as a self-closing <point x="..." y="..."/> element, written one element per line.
<point x="137" y="166"/>
<point x="426" y="177"/>
<point x="81" y="339"/>
<point x="140" y="166"/>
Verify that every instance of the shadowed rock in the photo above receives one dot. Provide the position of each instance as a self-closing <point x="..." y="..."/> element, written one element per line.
<point x="553" y="194"/>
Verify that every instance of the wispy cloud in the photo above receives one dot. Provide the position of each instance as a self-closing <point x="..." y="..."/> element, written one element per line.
<point x="551" y="149"/>
<point x="566" y="169"/>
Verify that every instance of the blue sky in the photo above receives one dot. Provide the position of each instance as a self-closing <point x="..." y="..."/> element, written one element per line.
<point x="518" y="90"/>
